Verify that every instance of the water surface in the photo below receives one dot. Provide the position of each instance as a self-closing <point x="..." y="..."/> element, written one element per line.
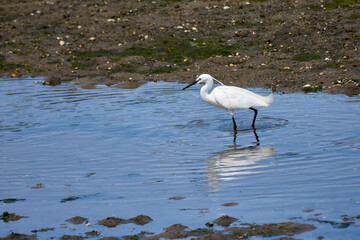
<point x="125" y="152"/>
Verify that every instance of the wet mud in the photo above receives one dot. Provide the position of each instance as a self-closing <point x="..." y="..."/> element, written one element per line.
<point x="284" y="45"/>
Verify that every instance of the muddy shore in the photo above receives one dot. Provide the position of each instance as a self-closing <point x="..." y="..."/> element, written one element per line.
<point x="284" y="45"/>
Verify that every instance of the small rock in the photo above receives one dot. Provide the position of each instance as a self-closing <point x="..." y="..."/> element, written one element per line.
<point x="61" y="43"/>
<point x="52" y="81"/>
<point x="93" y="233"/>
<point x="68" y="237"/>
<point x="229" y="204"/>
<point x="141" y="219"/>
<point x="175" y="228"/>
<point x="176" y="198"/>
<point x="39" y="185"/>
<point x="111" y="238"/>
<point x="225" y="221"/>
<point x="43" y="230"/>
<point x="6" y="217"/>
<point x="308" y="210"/>
<point x="20" y="236"/>
<point x="76" y="220"/>
<point x="112" y="222"/>
<point x="209" y="224"/>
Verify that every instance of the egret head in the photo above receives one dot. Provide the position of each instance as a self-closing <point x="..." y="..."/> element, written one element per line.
<point x="203" y="78"/>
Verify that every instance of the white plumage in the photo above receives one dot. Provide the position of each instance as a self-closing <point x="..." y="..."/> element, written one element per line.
<point x="231" y="98"/>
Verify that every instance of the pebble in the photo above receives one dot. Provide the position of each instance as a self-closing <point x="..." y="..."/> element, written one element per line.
<point x="209" y="224"/>
<point x="61" y="43"/>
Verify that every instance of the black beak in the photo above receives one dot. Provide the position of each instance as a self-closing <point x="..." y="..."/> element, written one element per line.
<point x="190" y="84"/>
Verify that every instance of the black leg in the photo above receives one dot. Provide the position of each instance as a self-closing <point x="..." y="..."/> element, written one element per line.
<point x="235" y="127"/>
<point x="255" y="114"/>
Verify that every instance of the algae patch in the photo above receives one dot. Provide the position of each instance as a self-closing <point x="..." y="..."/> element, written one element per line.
<point x="164" y="55"/>
<point x="302" y="57"/>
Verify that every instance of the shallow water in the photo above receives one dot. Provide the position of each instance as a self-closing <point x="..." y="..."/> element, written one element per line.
<point x="124" y="152"/>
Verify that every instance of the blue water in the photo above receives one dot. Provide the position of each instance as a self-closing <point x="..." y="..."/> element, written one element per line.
<point x="125" y="152"/>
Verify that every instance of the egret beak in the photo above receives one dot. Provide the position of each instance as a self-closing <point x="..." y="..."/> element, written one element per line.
<point x="193" y="83"/>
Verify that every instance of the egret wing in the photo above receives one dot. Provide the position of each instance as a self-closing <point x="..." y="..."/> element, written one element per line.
<point x="233" y="98"/>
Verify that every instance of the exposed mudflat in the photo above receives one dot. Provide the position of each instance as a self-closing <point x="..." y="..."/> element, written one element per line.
<point x="285" y="45"/>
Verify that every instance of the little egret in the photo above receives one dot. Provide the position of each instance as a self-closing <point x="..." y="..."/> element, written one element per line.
<point x="231" y="98"/>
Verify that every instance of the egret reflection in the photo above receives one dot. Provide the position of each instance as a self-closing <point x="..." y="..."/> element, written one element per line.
<point x="236" y="162"/>
<point x="255" y="135"/>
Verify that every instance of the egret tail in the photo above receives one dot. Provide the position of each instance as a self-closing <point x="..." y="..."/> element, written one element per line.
<point x="268" y="99"/>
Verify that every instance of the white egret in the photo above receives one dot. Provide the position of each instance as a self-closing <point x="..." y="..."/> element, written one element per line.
<point x="231" y="98"/>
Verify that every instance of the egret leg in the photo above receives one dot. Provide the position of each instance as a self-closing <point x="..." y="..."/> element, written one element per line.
<point x="255" y="114"/>
<point x="235" y="127"/>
